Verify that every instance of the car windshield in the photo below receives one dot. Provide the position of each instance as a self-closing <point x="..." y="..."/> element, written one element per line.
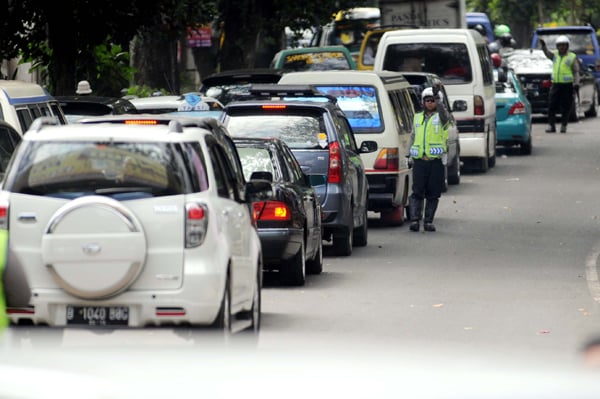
<point x="450" y="61"/>
<point x="317" y="61"/>
<point x="297" y="131"/>
<point x="255" y="160"/>
<point x="75" y="168"/>
<point x="580" y="41"/>
<point x="359" y="104"/>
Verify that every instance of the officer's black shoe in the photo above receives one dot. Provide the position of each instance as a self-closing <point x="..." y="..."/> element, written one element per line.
<point x="563" y="129"/>
<point x="551" y="129"/>
<point x="428" y="227"/>
<point x="414" y="226"/>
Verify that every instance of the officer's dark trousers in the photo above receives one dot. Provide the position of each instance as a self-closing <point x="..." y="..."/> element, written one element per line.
<point x="428" y="183"/>
<point x="561" y="100"/>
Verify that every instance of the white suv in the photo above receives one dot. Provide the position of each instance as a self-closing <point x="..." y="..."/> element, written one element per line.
<point x="131" y="223"/>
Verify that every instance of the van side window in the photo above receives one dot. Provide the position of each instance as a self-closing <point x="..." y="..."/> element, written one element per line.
<point x="402" y="111"/>
<point x="486" y="64"/>
<point x="25" y="118"/>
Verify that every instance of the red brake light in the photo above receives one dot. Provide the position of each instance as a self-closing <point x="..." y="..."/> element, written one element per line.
<point x="141" y="122"/>
<point x="195" y="213"/>
<point x="271" y="211"/>
<point x="517" y="108"/>
<point x="4" y="215"/>
<point x="334" y="175"/>
<point x="196" y="224"/>
<point x="478" y="104"/>
<point x="387" y="159"/>
<point x="274" y="106"/>
<point x="546" y="84"/>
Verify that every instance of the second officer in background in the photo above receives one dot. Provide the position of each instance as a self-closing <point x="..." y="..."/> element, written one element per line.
<point x="429" y="152"/>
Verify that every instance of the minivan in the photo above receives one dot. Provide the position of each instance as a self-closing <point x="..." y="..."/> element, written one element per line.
<point x="461" y="59"/>
<point x="22" y="102"/>
<point x="379" y="107"/>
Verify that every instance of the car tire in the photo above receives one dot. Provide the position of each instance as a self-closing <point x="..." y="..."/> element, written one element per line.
<point x="223" y="320"/>
<point x="593" y="110"/>
<point x="254" y="314"/>
<point x="342" y="242"/>
<point x="394" y="217"/>
<point x="295" y="272"/>
<point x="361" y="233"/>
<point x="315" y="265"/>
<point x="525" y="147"/>
<point x="454" y="172"/>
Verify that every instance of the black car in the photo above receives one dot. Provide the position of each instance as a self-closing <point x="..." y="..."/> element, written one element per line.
<point x="320" y="137"/>
<point x="534" y="70"/>
<point x="289" y="224"/>
<point x="77" y="107"/>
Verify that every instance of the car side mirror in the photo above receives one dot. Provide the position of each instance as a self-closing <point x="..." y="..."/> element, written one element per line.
<point x="261" y="175"/>
<point x="258" y="190"/>
<point x="368" y="146"/>
<point x="459" y="106"/>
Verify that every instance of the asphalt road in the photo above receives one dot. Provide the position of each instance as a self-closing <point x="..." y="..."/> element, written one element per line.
<point x="512" y="270"/>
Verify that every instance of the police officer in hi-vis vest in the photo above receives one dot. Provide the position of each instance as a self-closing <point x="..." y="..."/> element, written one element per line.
<point x="428" y="152"/>
<point x="565" y="82"/>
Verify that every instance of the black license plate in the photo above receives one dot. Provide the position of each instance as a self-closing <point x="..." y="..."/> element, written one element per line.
<point x="98" y="315"/>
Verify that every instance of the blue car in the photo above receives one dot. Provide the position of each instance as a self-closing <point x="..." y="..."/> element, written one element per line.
<point x="513" y="112"/>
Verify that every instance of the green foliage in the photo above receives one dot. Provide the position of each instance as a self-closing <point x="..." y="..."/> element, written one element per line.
<point x="143" y="91"/>
<point x="112" y="69"/>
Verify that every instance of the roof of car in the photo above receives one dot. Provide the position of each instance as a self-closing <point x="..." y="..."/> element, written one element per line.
<point x="137" y="128"/>
<point x="243" y="76"/>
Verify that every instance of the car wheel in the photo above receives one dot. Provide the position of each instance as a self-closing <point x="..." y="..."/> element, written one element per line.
<point x="575" y="110"/>
<point x="593" y="110"/>
<point x="223" y="320"/>
<point x="394" y="217"/>
<point x="484" y="164"/>
<point x="361" y="233"/>
<point x="295" y="273"/>
<point x="454" y="172"/>
<point x="342" y="242"/>
<point x="525" y="147"/>
<point x="315" y="265"/>
<point x="255" y="312"/>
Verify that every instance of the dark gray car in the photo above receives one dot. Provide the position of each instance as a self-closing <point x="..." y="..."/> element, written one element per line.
<point x="319" y="135"/>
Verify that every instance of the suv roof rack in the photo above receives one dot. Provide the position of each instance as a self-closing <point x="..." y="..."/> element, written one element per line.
<point x="279" y="90"/>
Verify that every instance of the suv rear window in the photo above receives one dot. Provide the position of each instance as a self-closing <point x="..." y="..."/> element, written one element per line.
<point x="317" y="61"/>
<point x="122" y="170"/>
<point x="450" y="61"/>
<point x="300" y="130"/>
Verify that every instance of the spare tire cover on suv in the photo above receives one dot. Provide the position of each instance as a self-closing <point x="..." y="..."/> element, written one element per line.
<point x="94" y="247"/>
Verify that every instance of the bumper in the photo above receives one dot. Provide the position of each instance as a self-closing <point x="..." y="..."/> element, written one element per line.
<point x="513" y="130"/>
<point x="279" y="244"/>
<point x="383" y="191"/>
<point x="473" y="145"/>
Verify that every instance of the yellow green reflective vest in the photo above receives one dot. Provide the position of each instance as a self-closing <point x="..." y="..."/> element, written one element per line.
<point x="3" y="255"/>
<point x="430" y="136"/>
<point x="562" y="67"/>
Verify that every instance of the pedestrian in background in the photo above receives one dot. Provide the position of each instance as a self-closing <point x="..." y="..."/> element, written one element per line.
<point x="565" y="82"/>
<point x="428" y="151"/>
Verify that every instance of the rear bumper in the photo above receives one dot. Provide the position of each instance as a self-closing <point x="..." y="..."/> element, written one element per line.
<point x="279" y="244"/>
<point x="383" y="191"/>
<point x="513" y="130"/>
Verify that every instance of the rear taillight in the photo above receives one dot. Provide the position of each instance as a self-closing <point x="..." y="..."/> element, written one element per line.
<point x="271" y="211"/>
<point x="196" y="224"/>
<point x="334" y="174"/>
<point x="478" y="104"/>
<point x="274" y="106"/>
<point x="387" y="159"/>
<point x="517" y="108"/>
<point x="546" y="84"/>
<point x="4" y="215"/>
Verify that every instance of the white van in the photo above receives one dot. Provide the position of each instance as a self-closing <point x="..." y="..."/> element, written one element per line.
<point x="461" y="59"/>
<point x="22" y="102"/>
<point x="379" y="107"/>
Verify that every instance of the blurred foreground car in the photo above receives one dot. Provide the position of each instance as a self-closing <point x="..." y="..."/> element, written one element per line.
<point x="289" y="224"/>
<point x="534" y="70"/>
<point x="77" y="107"/>
<point x="316" y="130"/>
<point x="513" y="112"/>
<point x="138" y="222"/>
